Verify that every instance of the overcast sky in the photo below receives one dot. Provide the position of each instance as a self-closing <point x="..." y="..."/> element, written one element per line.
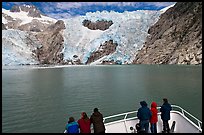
<point x="66" y="9"/>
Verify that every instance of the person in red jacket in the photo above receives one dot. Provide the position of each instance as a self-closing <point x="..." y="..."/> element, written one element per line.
<point x="84" y="123"/>
<point x="154" y="118"/>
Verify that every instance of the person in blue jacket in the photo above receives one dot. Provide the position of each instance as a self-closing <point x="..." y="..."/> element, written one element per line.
<point x="144" y="114"/>
<point x="165" y="115"/>
<point x="72" y="126"/>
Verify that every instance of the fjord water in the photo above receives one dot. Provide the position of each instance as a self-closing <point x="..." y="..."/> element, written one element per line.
<point x="41" y="100"/>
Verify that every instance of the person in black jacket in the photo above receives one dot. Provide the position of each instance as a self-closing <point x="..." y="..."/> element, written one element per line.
<point x="165" y="115"/>
<point x="97" y="120"/>
<point x="144" y="114"/>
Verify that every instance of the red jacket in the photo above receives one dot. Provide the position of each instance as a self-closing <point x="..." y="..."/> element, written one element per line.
<point x="154" y="111"/>
<point x="84" y="125"/>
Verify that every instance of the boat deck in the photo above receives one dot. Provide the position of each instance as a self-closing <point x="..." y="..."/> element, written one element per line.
<point x="183" y="123"/>
<point x="124" y="126"/>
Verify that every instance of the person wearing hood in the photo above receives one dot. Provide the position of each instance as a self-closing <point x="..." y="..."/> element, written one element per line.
<point x="97" y="120"/>
<point x="84" y="123"/>
<point x="144" y="114"/>
<point x="165" y="115"/>
<point x="154" y="118"/>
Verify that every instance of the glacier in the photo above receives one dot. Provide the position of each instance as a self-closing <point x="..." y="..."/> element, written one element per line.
<point x="17" y="48"/>
<point x="129" y="31"/>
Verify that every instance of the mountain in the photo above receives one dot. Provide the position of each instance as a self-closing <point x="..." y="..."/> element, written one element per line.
<point x="167" y="36"/>
<point x="176" y="38"/>
<point x="96" y="38"/>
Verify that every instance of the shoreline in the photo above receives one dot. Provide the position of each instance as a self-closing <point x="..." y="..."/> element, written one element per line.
<point x="16" y="67"/>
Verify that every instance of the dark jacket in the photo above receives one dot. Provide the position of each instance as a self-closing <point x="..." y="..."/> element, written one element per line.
<point x="144" y="112"/>
<point x="165" y="111"/>
<point x="97" y="120"/>
<point x="154" y="111"/>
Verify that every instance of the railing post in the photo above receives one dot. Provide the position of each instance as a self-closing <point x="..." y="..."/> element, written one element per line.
<point x="125" y="116"/>
<point x="199" y="125"/>
<point x="125" y="122"/>
<point x="182" y="112"/>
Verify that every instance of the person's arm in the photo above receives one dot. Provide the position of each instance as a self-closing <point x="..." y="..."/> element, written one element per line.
<point x="91" y="119"/>
<point x="161" y="109"/>
<point x="138" y="114"/>
<point x="150" y="113"/>
<point x="170" y="107"/>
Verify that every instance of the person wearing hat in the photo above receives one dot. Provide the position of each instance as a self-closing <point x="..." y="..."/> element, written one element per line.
<point x="97" y="120"/>
<point x="144" y="114"/>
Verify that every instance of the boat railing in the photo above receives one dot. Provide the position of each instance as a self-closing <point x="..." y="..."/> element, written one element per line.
<point x="189" y="117"/>
<point x="123" y="117"/>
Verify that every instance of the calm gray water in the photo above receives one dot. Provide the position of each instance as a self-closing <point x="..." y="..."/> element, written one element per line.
<point x="41" y="100"/>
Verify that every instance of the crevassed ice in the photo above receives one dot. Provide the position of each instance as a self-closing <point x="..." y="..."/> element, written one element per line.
<point x="129" y="30"/>
<point x="15" y="49"/>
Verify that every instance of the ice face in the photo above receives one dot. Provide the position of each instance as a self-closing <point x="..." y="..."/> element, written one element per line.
<point x="16" y="50"/>
<point x="129" y="31"/>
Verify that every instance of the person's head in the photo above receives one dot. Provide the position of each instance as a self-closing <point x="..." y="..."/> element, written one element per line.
<point x="95" y="109"/>
<point x="154" y="105"/>
<point x="71" y="119"/>
<point x="143" y="103"/>
<point x="84" y="115"/>
<point x="165" y="100"/>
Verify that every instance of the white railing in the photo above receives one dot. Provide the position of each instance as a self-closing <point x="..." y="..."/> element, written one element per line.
<point x="198" y="123"/>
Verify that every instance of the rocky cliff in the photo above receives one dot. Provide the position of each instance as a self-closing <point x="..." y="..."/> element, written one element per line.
<point x="105" y="49"/>
<point x="98" y="25"/>
<point x="3" y="27"/>
<point x="32" y="10"/>
<point x="52" y="44"/>
<point x="176" y="38"/>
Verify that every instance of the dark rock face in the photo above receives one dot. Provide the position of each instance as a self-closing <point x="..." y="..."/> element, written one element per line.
<point x="105" y="49"/>
<point x="59" y="25"/>
<point x="52" y="44"/>
<point x="34" y="13"/>
<point x="34" y="26"/>
<point x="15" y="8"/>
<point x="3" y="27"/>
<point x="98" y="25"/>
<point x="32" y="10"/>
<point x="176" y="38"/>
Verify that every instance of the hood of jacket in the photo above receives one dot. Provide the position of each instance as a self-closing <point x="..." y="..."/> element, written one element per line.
<point x="154" y="105"/>
<point x="143" y="103"/>
<point x="96" y="113"/>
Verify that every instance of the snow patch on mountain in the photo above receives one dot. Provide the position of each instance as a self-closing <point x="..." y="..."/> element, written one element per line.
<point x="4" y="21"/>
<point x="166" y="8"/>
<point x="23" y="16"/>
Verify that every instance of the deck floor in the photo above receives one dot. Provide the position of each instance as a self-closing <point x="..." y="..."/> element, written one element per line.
<point x="182" y="125"/>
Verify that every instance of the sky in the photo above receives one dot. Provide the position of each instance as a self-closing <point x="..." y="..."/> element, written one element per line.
<point x="59" y="10"/>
